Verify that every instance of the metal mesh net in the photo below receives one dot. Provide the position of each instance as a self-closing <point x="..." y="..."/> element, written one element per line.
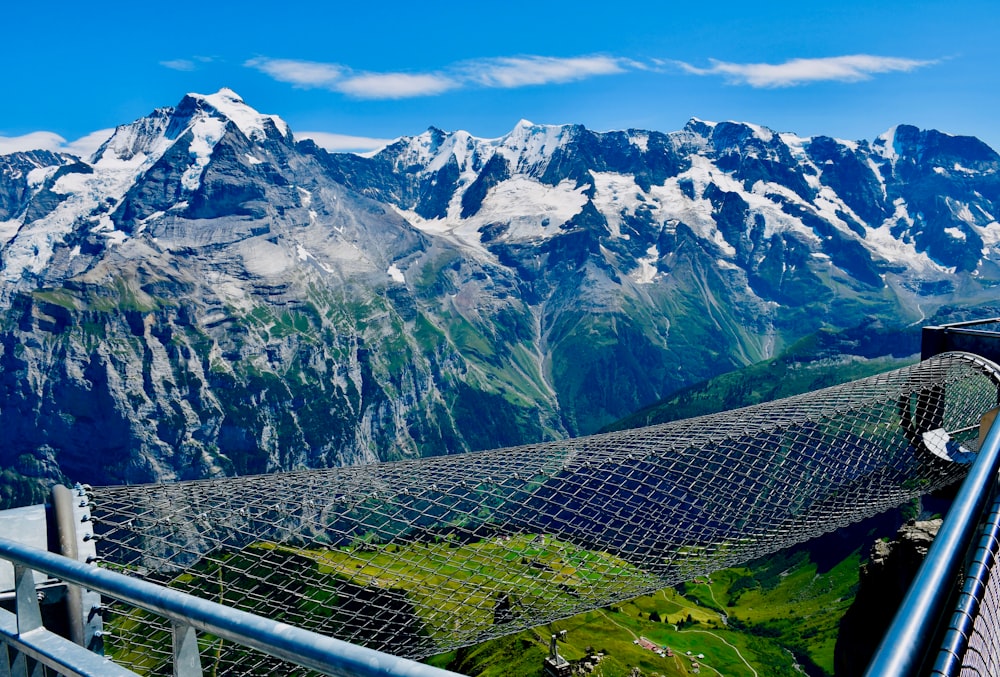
<point x="971" y="647"/>
<point x="420" y="557"/>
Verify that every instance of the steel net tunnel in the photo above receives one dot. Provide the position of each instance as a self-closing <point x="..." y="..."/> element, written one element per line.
<point x="419" y="557"/>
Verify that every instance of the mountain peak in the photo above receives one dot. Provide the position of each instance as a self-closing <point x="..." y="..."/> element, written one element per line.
<point x="230" y="105"/>
<point x="700" y="127"/>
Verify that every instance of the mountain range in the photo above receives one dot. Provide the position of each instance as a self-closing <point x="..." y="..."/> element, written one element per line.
<point x="207" y="295"/>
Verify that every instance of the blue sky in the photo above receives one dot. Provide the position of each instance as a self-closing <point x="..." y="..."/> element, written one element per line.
<point x="379" y="70"/>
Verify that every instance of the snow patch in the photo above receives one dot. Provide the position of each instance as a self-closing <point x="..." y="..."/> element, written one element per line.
<point x="963" y="213"/>
<point x="640" y="140"/>
<point x="990" y="234"/>
<point x="39" y="175"/>
<point x="616" y="196"/>
<point x="955" y="233"/>
<point x="886" y="142"/>
<point x="396" y="274"/>
<point x="530" y="147"/>
<point x="207" y="132"/>
<point x="762" y="133"/>
<point x="671" y="204"/>
<point x="529" y="210"/>
<point x="882" y="241"/>
<point x="264" y="258"/>
<point x="8" y="229"/>
<point x="115" y="237"/>
<point x="646" y="272"/>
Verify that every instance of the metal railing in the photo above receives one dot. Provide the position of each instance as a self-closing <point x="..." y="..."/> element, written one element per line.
<point x="916" y="634"/>
<point x="971" y="644"/>
<point x="26" y="645"/>
<point x="976" y="336"/>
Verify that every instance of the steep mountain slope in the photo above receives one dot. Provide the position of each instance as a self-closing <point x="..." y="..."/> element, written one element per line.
<point x="206" y="295"/>
<point x="739" y="239"/>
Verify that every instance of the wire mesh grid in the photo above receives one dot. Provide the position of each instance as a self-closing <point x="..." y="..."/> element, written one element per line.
<point x="971" y="647"/>
<point x="421" y="557"/>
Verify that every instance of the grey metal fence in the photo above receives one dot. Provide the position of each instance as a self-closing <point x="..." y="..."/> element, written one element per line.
<point x="424" y="556"/>
<point x="418" y="557"/>
<point x="971" y="646"/>
<point x="28" y="649"/>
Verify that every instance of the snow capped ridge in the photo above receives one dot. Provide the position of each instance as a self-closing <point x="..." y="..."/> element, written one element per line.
<point x="231" y="106"/>
<point x="89" y="196"/>
<point x="529" y="147"/>
<point x="136" y="138"/>
<point x="205" y="116"/>
<point x="526" y="148"/>
<point x="699" y="126"/>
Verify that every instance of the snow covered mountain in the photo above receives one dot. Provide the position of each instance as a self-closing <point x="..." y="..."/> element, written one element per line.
<point x="206" y="295"/>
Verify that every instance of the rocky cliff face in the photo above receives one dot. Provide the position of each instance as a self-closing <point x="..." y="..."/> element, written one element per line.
<point x="206" y="295"/>
<point x="885" y="580"/>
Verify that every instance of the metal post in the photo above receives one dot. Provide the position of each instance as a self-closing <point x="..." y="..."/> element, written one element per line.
<point x="29" y="618"/>
<point x="74" y="529"/>
<point x="29" y="615"/>
<point x="187" y="658"/>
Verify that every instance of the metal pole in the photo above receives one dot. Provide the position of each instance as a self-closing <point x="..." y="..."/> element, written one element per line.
<point x="62" y="507"/>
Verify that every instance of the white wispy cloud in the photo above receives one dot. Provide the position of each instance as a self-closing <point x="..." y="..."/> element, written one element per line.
<point x="86" y="146"/>
<point x="522" y="71"/>
<point x="396" y="85"/>
<point x="83" y="147"/>
<point x="341" y="143"/>
<point x="299" y="73"/>
<point x="501" y="72"/>
<point x="850" y="68"/>
<point x="179" y="64"/>
<point x="187" y="65"/>
<point x="31" y="141"/>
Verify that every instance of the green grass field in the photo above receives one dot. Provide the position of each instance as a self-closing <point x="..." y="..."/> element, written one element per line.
<point x="778" y="616"/>
<point x="763" y="619"/>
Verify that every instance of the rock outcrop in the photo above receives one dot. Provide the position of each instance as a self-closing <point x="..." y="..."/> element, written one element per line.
<point x="885" y="580"/>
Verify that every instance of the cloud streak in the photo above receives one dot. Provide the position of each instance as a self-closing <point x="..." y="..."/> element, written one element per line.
<point x="396" y="85"/>
<point x="184" y="65"/>
<point x="344" y="142"/>
<point x="523" y="71"/>
<point x="299" y="73"/>
<point x="83" y="147"/>
<point x="501" y="72"/>
<point x="795" y="72"/>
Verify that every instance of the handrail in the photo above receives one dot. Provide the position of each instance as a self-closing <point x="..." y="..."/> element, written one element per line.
<point x="907" y="645"/>
<point x="324" y="654"/>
